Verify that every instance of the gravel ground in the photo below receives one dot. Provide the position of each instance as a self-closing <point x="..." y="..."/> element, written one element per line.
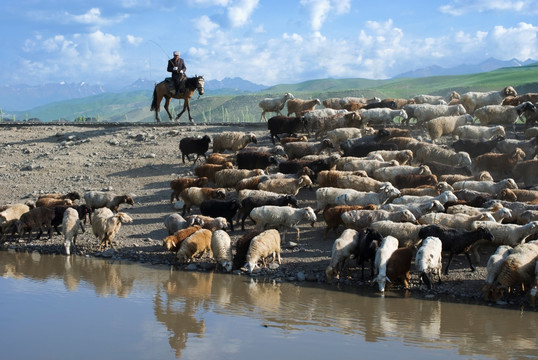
<point x="141" y="159"/>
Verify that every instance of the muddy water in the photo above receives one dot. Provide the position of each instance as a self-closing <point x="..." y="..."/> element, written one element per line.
<point x="58" y="307"/>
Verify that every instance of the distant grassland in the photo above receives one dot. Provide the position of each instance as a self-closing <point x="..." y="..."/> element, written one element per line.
<point x="134" y="106"/>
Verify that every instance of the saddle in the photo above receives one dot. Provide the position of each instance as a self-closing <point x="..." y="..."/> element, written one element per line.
<point x="171" y="86"/>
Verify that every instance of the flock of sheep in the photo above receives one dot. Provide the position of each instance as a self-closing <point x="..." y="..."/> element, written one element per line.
<point x="401" y="200"/>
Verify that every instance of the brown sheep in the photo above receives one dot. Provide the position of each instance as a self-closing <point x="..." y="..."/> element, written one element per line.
<point x="414" y="180"/>
<point x="399" y="266"/>
<point x="172" y="243"/>
<point x="499" y="165"/>
<point x="35" y="219"/>
<point x="220" y="159"/>
<point x="333" y="216"/>
<point x="209" y="170"/>
<point x="525" y="172"/>
<point x="51" y="202"/>
<point x="196" y="195"/>
<point x="180" y="184"/>
<point x="289" y="139"/>
<point x="71" y="196"/>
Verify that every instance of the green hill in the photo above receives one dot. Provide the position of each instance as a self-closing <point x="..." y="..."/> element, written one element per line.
<point x="134" y="106"/>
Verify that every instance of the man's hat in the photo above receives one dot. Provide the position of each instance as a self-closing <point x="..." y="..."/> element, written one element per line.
<point x="176" y="53"/>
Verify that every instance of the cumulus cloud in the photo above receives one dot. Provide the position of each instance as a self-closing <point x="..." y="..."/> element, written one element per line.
<point x="134" y="40"/>
<point x="461" y="7"/>
<point x="206" y="28"/>
<point x="319" y="10"/>
<point x="93" y="17"/>
<point x="240" y="12"/>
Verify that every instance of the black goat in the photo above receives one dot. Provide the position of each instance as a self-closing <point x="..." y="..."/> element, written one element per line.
<point x="476" y="147"/>
<point x="252" y="159"/>
<point x="368" y="243"/>
<point x="285" y="125"/>
<point x="194" y="145"/>
<point x="59" y="211"/>
<point x="223" y="208"/>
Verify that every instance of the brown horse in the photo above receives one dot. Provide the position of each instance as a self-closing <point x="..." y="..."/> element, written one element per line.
<point x="161" y="90"/>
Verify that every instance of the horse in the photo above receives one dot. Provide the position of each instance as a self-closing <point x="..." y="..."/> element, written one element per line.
<point x="161" y="90"/>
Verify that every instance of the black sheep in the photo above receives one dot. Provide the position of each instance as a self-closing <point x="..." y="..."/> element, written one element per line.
<point x="59" y="211"/>
<point x="476" y="147"/>
<point x="249" y="203"/>
<point x="368" y="243"/>
<point x="241" y="249"/>
<point x="381" y="104"/>
<point x="285" y="125"/>
<point x="194" y="145"/>
<point x="351" y="148"/>
<point x="456" y="241"/>
<point x="223" y="208"/>
<point x="295" y="166"/>
<point x="251" y="160"/>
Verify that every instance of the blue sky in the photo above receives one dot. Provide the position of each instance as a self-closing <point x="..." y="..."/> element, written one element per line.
<point x="265" y="41"/>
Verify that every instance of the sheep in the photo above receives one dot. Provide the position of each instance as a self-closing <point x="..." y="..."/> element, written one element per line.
<point x="427" y="112"/>
<point x="180" y="184"/>
<point x="358" y="219"/>
<point x="443" y="198"/>
<point x="73" y="196"/>
<point x="440" y="169"/>
<point x="399" y="266"/>
<point x="454" y="221"/>
<point x="402" y="156"/>
<point x="388" y="245"/>
<point x="493" y="267"/>
<point x="414" y="180"/>
<point x="516" y="207"/>
<point x="407" y="232"/>
<point x="445" y="125"/>
<point x="220" y="159"/>
<point x="220" y="208"/>
<point x="359" y="183"/>
<point x="173" y="242"/>
<point x="251" y="202"/>
<point x="251" y="160"/>
<point x="388" y="174"/>
<point x="300" y="106"/>
<point x="348" y="100"/>
<point x="457" y="241"/>
<point x="381" y="116"/>
<point x="355" y="164"/>
<point x="429" y="152"/>
<point x="106" y="225"/>
<point x="417" y="209"/>
<point x="289" y="139"/>
<point x="476" y="147"/>
<point x="330" y="177"/>
<point x="480" y="133"/>
<point x="232" y="140"/>
<point x="508" y="234"/>
<point x="490" y="187"/>
<point x="341" y="134"/>
<point x="241" y="249"/>
<point x="197" y="244"/>
<point x="502" y="114"/>
<point x="285" y="125"/>
<point x="524" y="195"/>
<point x="52" y="202"/>
<point x="315" y="165"/>
<point x="531" y="132"/>
<point x="261" y="246"/>
<point x="428" y="190"/>
<point x="516" y="100"/>
<point x="82" y="211"/>
<point x="194" y="145"/>
<point x="320" y="121"/>
<point x="434" y="99"/>
<point x="473" y="100"/>
<point x="195" y="196"/>
<point x="282" y="217"/>
<point x="209" y="170"/>
<point x="299" y="149"/>
<point x="386" y="194"/>
<point x="451" y="179"/>
<point x="35" y="219"/>
<point x="228" y="178"/>
<point x="221" y="247"/>
<point x="99" y="199"/>
<point x="499" y="165"/>
<point x="533" y="293"/>
<point x="528" y="146"/>
<point x="333" y="215"/>
<point x="428" y="260"/>
<point x="10" y="215"/>
<point x="361" y="149"/>
<point x="342" y="249"/>
<point x="366" y="249"/>
<point x="399" y="102"/>
<point x="273" y="104"/>
<point x="327" y="196"/>
<point x="517" y="270"/>
<point x="207" y="222"/>
<point x="498" y="212"/>
<point x="174" y="222"/>
<point x="285" y="185"/>
<point x="525" y="172"/>
<point x="70" y="226"/>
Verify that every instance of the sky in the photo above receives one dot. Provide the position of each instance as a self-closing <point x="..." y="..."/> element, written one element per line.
<point x="268" y="42"/>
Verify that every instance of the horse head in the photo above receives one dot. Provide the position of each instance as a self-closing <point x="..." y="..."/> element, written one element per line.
<point x="200" y="82"/>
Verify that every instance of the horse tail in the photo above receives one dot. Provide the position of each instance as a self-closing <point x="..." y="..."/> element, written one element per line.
<point x="154" y="104"/>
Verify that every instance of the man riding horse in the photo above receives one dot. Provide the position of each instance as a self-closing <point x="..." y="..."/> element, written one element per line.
<point x="177" y="67"/>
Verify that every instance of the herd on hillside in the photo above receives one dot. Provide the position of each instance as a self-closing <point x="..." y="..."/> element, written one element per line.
<point x="402" y="199"/>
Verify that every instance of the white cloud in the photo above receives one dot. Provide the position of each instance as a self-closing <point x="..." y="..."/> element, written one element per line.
<point x="460" y="7"/>
<point x="210" y="2"/>
<point x="134" y="40"/>
<point x="93" y="17"/>
<point x="320" y="9"/>
<point x="206" y="28"/>
<point x="240" y="12"/>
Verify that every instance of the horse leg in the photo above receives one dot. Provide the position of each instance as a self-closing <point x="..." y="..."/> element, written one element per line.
<point x="166" y="103"/>
<point x="185" y="106"/>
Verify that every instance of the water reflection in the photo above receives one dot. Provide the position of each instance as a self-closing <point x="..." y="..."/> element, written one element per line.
<point x="190" y="305"/>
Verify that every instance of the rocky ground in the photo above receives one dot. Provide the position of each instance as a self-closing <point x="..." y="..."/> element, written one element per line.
<point x="141" y="159"/>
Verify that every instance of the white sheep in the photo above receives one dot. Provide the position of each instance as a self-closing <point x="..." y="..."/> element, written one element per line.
<point x="417" y="209"/>
<point x="208" y="222"/>
<point x="454" y="221"/>
<point x="389" y="173"/>
<point x="232" y="140"/>
<point x="359" y="219"/>
<point x="342" y="134"/>
<point x="99" y="199"/>
<point x="359" y="183"/>
<point x="228" y="178"/>
<point x="385" y="194"/>
<point x="498" y="212"/>
<point x="502" y="114"/>
<point x="508" y="146"/>
<point x="300" y="107"/>
<point x="477" y="132"/>
<point x="402" y="156"/>
<point x="106" y="224"/>
<point x="273" y="105"/>
<point x="428" y="259"/>
<point x="196" y="244"/>
<point x="10" y="216"/>
<point x="242" y="194"/>
<point x="341" y="252"/>
<point x="290" y="186"/>
<point x="473" y="100"/>
<point x="367" y="165"/>
<point x="299" y="149"/>
<point x="174" y="222"/>
<point x="443" y="198"/>
<point x="508" y="234"/>
<point x="320" y="121"/>
<point x="381" y="116"/>
<point x="407" y="232"/>
<point x="430" y="152"/>
<point x="282" y="217"/>
<point x="221" y="247"/>
<point x="493" y="267"/>
<point x="327" y="196"/>
<point x="388" y="245"/>
<point x="265" y="244"/>
<point x="445" y="125"/>
<point x="490" y="187"/>
<point x="70" y="227"/>
<point x="427" y="112"/>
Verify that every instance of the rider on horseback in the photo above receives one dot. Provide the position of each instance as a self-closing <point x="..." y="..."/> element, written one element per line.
<point x="177" y="67"/>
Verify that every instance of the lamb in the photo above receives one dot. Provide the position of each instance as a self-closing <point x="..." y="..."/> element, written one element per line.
<point x="300" y="106"/>
<point x="265" y="244"/>
<point x="499" y="165"/>
<point x="70" y="226"/>
<point x="285" y="185"/>
<point x="493" y="266"/>
<point x="490" y="187"/>
<point x="525" y="172"/>
<point x="174" y="222"/>
<point x="251" y="160"/>
<point x="388" y="174"/>
<point x="508" y="234"/>
<point x="402" y="156"/>
<point x="342" y="249"/>
<point x="194" y="145"/>
<point x="417" y="209"/>
<point x="333" y="215"/>
<point x="285" y="125"/>
<point x="207" y="222"/>
<point x="241" y="249"/>
<point x="282" y="217"/>
<point x="99" y="199"/>
<point x="476" y="147"/>
<point x="209" y="170"/>
<point x="502" y="114"/>
<point x="299" y="149"/>
<point x="359" y="219"/>
<point x="220" y="208"/>
<point x="445" y="125"/>
<point x="195" y="196"/>
<point x="197" y="244"/>
<point x="386" y="194"/>
<point x="106" y="225"/>
<point x="173" y="242"/>
<point x="480" y="133"/>
<point x="381" y="116"/>
<point x="406" y="231"/>
<point x="35" y="219"/>
<point x="273" y="104"/>
<point x="399" y="266"/>
<point x="180" y="184"/>
<point x="529" y="196"/>
<point x="386" y="248"/>
<point x="473" y="100"/>
<point x="228" y="178"/>
<point x="457" y="241"/>
<point x="232" y="140"/>
<point x="428" y="260"/>
<point x="221" y="247"/>
<point x="366" y="249"/>
<point x="251" y="202"/>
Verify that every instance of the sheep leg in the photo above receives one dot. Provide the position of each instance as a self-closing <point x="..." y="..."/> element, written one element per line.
<point x="448" y="264"/>
<point x="298" y="231"/>
<point x="57" y="230"/>
<point x="470" y="262"/>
